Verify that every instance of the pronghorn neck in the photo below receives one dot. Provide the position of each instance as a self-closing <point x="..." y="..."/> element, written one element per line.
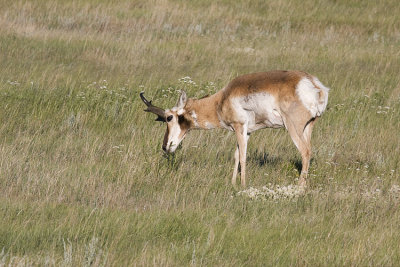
<point x="204" y="111"/>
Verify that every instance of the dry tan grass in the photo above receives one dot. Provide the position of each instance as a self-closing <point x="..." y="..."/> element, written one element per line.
<point x="82" y="177"/>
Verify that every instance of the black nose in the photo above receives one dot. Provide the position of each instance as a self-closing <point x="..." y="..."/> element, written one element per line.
<point x="164" y="148"/>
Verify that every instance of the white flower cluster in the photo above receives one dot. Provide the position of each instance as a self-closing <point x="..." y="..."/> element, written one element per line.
<point x="187" y="81"/>
<point x="369" y="194"/>
<point x="383" y="110"/>
<point x="372" y="194"/>
<point x="119" y="148"/>
<point x="13" y="82"/>
<point x="100" y="90"/>
<point x="292" y="192"/>
<point x="366" y="101"/>
<point x="211" y="88"/>
<point x="395" y="191"/>
<point x="273" y="192"/>
<point x="170" y="92"/>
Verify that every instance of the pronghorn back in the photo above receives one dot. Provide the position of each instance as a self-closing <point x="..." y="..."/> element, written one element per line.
<point x="278" y="83"/>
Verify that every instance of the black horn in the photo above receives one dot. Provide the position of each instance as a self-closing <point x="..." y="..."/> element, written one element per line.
<point x="153" y="109"/>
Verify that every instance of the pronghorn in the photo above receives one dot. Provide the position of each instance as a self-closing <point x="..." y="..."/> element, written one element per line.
<point x="290" y="99"/>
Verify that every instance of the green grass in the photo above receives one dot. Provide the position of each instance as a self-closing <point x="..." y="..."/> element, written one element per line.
<point x="83" y="180"/>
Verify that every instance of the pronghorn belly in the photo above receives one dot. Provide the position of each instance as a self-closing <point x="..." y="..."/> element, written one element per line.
<point x="259" y="110"/>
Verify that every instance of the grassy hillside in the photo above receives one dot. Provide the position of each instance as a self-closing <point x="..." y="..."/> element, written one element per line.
<point x="83" y="180"/>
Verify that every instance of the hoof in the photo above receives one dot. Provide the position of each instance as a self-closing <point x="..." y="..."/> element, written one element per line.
<point x="302" y="182"/>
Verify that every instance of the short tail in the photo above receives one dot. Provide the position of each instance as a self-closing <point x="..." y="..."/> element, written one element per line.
<point x="323" y="96"/>
<point x="313" y="94"/>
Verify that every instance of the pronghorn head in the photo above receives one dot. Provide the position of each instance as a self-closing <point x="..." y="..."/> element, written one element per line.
<point x="178" y="120"/>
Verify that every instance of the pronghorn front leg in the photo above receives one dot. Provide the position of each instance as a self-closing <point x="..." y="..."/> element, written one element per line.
<point x="241" y="135"/>
<point x="235" y="168"/>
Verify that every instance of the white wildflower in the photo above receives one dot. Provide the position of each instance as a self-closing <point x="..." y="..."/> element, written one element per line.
<point x="187" y="81"/>
<point x="273" y="192"/>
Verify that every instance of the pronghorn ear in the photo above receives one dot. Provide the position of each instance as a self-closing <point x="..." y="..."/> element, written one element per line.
<point x="182" y="100"/>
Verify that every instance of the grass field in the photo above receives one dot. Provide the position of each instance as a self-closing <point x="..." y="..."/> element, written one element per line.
<point x="83" y="180"/>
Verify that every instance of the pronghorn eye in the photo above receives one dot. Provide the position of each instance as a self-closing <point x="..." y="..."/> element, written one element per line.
<point x="169" y="118"/>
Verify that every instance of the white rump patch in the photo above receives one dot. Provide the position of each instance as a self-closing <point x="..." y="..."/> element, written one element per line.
<point x="313" y="94"/>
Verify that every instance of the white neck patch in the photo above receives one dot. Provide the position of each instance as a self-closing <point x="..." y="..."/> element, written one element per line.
<point x="178" y="110"/>
<point x="209" y="125"/>
<point x="194" y="116"/>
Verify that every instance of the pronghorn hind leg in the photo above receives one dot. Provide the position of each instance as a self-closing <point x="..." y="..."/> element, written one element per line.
<point x="300" y="132"/>
<point x="306" y="157"/>
<point x="308" y="130"/>
<point x="304" y="148"/>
